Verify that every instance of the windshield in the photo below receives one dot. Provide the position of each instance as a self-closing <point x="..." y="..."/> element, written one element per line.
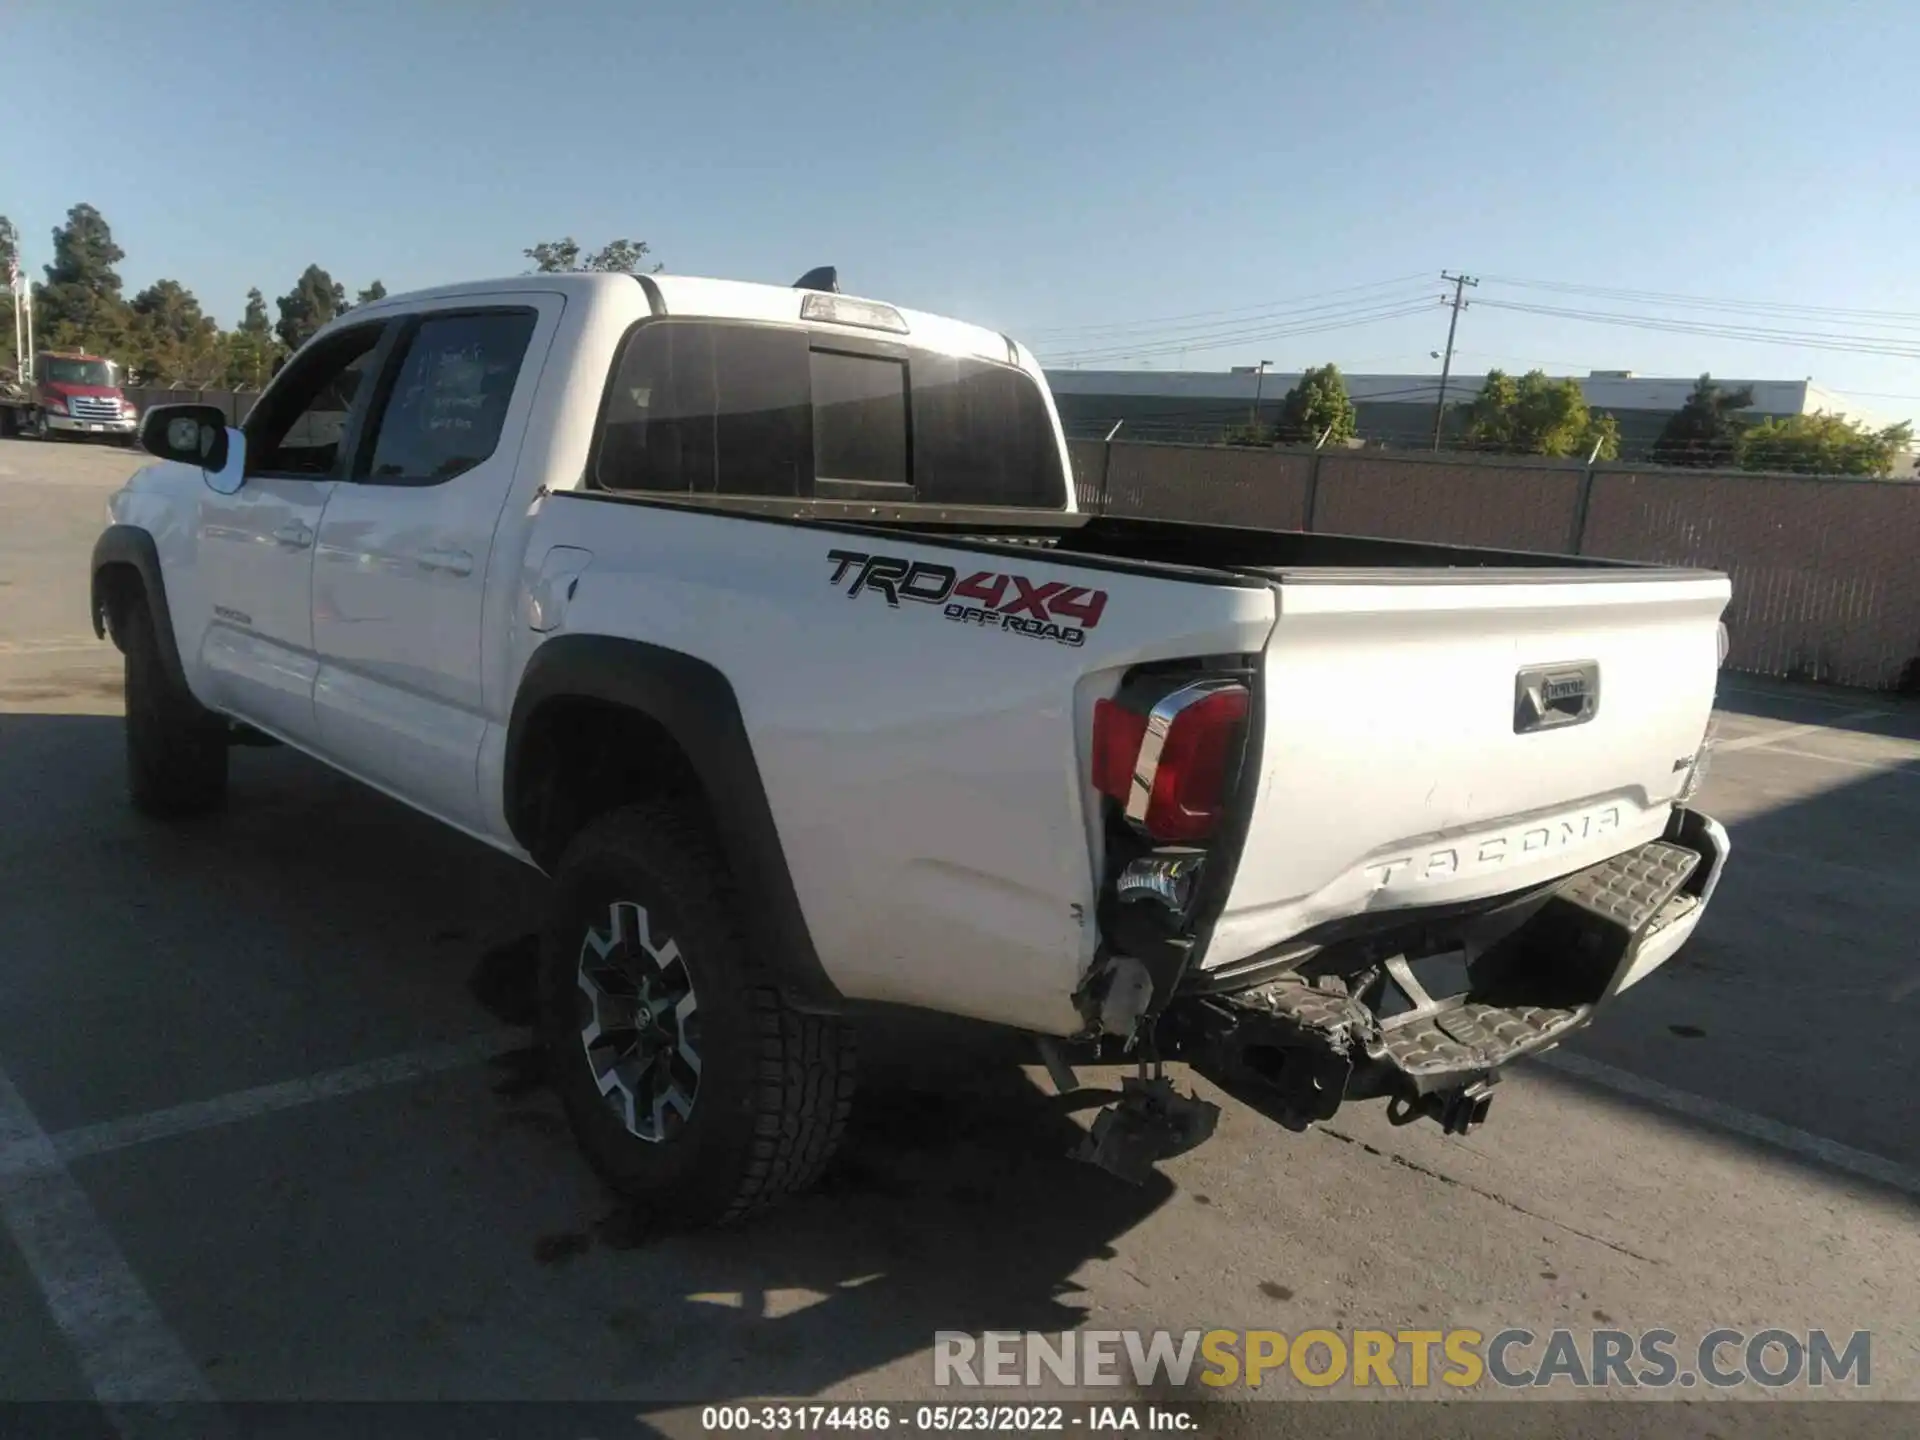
<point x="77" y="372"/>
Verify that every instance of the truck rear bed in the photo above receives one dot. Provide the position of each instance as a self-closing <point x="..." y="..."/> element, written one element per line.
<point x="1443" y="724"/>
<point x="1433" y="726"/>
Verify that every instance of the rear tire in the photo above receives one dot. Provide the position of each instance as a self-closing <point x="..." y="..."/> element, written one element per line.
<point x="694" y="1087"/>
<point x="176" y="751"/>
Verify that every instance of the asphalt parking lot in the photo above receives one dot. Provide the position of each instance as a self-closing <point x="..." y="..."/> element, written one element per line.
<point x="267" y="1129"/>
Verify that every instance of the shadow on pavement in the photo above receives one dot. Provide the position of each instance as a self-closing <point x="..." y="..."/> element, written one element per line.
<point x="953" y="1205"/>
<point x="1865" y="712"/>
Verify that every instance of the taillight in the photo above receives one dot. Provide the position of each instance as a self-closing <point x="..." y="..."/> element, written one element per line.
<point x="1168" y="769"/>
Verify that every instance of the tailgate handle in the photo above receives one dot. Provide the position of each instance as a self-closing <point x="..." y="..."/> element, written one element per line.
<point x="1550" y="697"/>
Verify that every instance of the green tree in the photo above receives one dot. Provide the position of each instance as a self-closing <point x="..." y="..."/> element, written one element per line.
<point x="315" y="299"/>
<point x="1823" y="444"/>
<point x="252" y="348"/>
<point x="1705" y="431"/>
<point x="1318" y="405"/>
<point x="9" y="252"/>
<point x="1537" y="416"/>
<point x="171" y="341"/>
<point x="551" y="257"/>
<point x="80" y="302"/>
<point x="373" y="292"/>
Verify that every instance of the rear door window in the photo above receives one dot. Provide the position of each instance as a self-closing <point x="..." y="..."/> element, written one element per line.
<point x="717" y="408"/>
<point x="708" y="409"/>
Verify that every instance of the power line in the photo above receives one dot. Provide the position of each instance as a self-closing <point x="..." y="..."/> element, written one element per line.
<point x="1871" y="394"/>
<point x="1147" y="337"/>
<point x="1766" y="335"/>
<point x="1066" y="331"/>
<point x="1209" y="336"/>
<point x="1309" y="326"/>
<point x="1902" y="319"/>
<point x="1158" y="351"/>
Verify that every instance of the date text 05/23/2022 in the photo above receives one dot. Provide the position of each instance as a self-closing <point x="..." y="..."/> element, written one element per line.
<point x="983" y="1419"/>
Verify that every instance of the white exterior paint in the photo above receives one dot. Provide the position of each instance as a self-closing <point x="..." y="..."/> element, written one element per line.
<point x="1389" y="724"/>
<point x="929" y="781"/>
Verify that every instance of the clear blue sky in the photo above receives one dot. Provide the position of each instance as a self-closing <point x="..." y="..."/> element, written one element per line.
<point x="1031" y="165"/>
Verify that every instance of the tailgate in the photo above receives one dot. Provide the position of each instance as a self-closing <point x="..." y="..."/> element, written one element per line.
<point x="1434" y="737"/>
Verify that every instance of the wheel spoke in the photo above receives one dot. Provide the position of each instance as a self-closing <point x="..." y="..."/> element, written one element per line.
<point x="673" y="1099"/>
<point x="642" y="1029"/>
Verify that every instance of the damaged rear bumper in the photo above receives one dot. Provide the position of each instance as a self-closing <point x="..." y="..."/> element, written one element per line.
<point x="1298" y="1046"/>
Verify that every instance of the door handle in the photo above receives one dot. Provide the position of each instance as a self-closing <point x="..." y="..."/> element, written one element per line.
<point x="454" y="562"/>
<point x="296" y="533"/>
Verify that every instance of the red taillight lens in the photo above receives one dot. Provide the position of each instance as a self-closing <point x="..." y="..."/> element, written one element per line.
<point x="1198" y="729"/>
<point x="1117" y="733"/>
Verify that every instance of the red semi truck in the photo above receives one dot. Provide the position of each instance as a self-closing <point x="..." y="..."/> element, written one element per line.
<point x="69" y="393"/>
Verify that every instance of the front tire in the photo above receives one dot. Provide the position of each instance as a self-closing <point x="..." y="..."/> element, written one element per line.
<point x="176" y="751"/>
<point x="690" y="1083"/>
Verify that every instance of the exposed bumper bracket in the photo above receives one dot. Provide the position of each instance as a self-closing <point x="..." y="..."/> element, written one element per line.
<point x="1297" y="1046"/>
<point x="1151" y="1121"/>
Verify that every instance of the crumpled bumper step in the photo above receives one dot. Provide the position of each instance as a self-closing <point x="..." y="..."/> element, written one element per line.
<point x="1564" y="961"/>
<point x="1474" y="1038"/>
<point x="1631" y="889"/>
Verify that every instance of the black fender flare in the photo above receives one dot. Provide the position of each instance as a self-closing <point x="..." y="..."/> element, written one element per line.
<point x="131" y="546"/>
<point x="694" y="703"/>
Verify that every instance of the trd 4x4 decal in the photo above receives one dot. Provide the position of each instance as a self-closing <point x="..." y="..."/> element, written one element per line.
<point x="1011" y="603"/>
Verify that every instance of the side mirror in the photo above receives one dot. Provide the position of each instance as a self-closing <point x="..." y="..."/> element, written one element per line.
<point x="231" y="473"/>
<point x="197" y="435"/>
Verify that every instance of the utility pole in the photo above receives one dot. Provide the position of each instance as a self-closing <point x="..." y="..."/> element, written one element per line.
<point x="1259" y="381"/>
<point x="1460" y="282"/>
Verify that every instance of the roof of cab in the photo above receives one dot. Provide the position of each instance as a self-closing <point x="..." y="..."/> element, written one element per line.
<point x="692" y="295"/>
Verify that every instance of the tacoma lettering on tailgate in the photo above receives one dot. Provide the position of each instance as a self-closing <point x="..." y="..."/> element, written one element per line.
<point x="1012" y="604"/>
<point x="1487" y="852"/>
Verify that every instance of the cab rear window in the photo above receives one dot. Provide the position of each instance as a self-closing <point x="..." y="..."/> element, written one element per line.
<point x="718" y="408"/>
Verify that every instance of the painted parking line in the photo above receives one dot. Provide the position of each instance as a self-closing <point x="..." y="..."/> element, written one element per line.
<point x="123" y="1346"/>
<point x="111" y="1135"/>
<point x="1803" y="1143"/>
<point x="58" y="645"/>
<point x="146" y="1383"/>
<point x="1792" y="732"/>
<point x="1891" y="768"/>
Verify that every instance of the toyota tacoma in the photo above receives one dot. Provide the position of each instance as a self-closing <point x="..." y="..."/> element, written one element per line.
<point x="763" y="620"/>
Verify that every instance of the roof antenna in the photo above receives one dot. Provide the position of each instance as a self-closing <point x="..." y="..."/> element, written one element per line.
<point x="823" y="277"/>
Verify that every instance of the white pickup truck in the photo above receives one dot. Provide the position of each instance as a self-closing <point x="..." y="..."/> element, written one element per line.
<point x="763" y="621"/>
